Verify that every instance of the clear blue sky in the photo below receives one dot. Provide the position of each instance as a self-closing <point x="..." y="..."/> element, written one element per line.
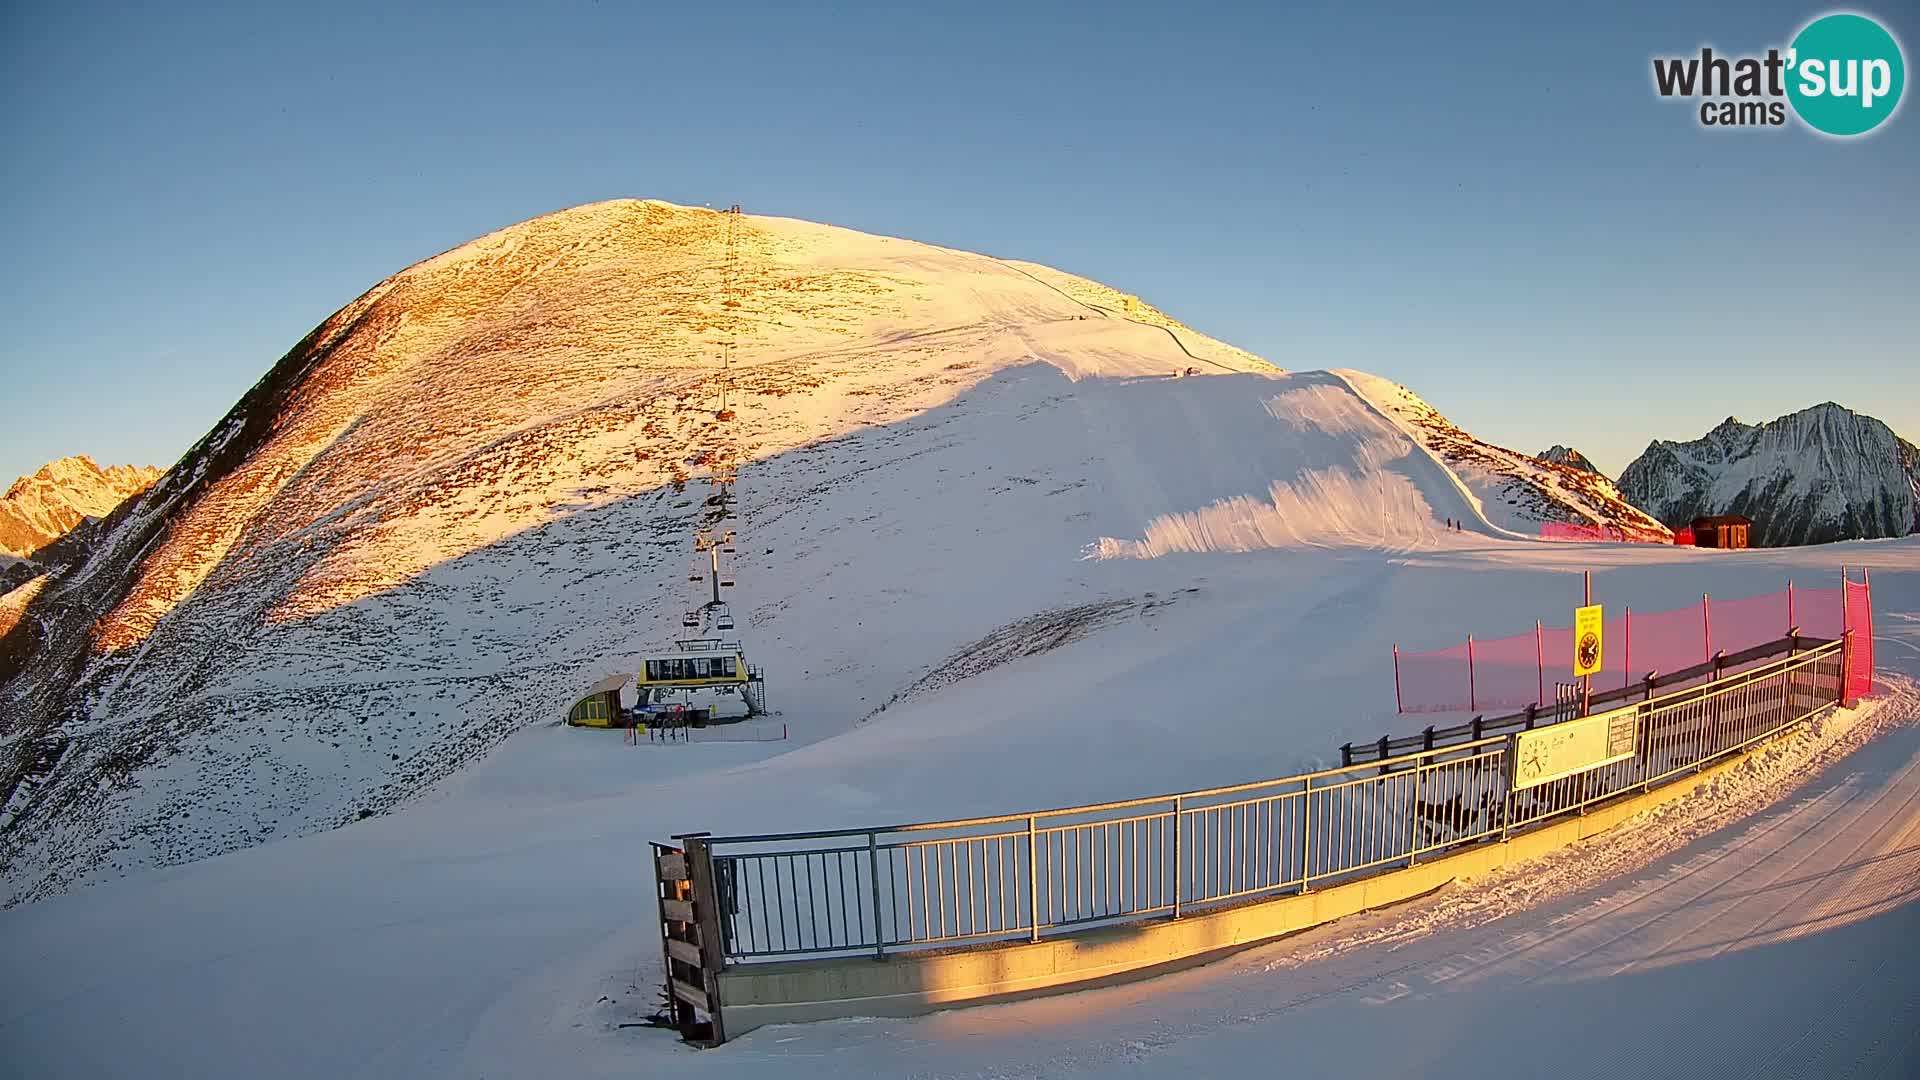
<point x="1486" y="203"/>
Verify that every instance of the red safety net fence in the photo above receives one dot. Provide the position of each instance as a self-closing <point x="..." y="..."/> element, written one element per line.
<point x="1521" y="669"/>
<point x="1859" y="616"/>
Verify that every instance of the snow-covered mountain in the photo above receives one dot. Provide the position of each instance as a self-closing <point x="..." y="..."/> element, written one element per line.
<point x="470" y="494"/>
<point x="42" y="507"/>
<point x="1568" y="456"/>
<point x="1514" y="491"/>
<point x="1821" y="474"/>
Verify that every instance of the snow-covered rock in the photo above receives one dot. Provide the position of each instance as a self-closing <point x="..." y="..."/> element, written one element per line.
<point x="15" y="572"/>
<point x="1516" y="492"/>
<point x="1821" y="474"/>
<point x="42" y="507"/>
<point x="1571" y="458"/>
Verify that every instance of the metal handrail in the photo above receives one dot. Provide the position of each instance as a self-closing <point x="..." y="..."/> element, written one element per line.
<point x="896" y="887"/>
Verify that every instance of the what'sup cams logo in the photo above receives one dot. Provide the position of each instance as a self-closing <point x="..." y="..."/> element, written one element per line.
<point x="1842" y="76"/>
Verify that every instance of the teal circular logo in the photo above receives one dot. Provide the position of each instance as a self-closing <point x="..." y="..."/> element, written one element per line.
<point x="1845" y="74"/>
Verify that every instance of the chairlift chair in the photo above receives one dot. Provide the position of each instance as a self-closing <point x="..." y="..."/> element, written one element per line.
<point x="724" y="620"/>
<point x="690" y="619"/>
<point x="726" y="579"/>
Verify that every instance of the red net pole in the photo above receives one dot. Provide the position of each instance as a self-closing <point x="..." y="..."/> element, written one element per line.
<point x="1540" y="658"/>
<point x="1398" y="706"/>
<point x="1473" y="699"/>
<point x="1866" y="576"/>
<point x="1706" y="627"/>
<point x="1626" y="663"/>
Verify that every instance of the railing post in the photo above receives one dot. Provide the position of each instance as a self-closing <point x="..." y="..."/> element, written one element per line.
<point x="1033" y="882"/>
<point x="1176" y="856"/>
<point x="873" y="877"/>
<point x="1846" y="664"/>
<point x="1386" y="745"/>
<point x="1306" y="833"/>
<point x="706" y="912"/>
<point x="1506" y="789"/>
<point x="1346" y="755"/>
<point x="1793" y="649"/>
<point x="1413" y="805"/>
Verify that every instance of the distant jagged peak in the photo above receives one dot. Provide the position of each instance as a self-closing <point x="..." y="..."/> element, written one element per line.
<point x="79" y="473"/>
<point x="1822" y="473"/>
<point x="43" y="506"/>
<point x="1571" y="458"/>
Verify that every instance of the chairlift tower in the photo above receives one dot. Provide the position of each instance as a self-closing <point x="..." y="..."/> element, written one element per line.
<point x="705" y="677"/>
<point x="708" y="676"/>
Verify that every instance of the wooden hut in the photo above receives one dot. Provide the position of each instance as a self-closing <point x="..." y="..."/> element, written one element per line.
<point x="1721" y="531"/>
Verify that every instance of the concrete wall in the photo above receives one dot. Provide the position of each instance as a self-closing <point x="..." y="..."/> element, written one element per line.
<point x="904" y="984"/>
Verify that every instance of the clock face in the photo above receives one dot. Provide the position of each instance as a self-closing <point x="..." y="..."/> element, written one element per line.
<point x="1589" y="649"/>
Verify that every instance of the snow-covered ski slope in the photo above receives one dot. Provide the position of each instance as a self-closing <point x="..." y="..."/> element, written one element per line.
<point x="500" y="926"/>
<point x="471" y="494"/>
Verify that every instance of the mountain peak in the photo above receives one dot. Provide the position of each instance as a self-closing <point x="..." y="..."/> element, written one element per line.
<point x="1820" y="474"/>
<point x="474" y="490"/>
<point x="43" y="506"/>
<point x="1568" y="456"/>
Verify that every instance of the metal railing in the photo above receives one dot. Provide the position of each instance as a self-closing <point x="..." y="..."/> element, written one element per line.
<point x="1018" y="876"/>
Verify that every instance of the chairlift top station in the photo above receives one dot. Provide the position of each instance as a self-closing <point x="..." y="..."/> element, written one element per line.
<point x="705" y="678"/>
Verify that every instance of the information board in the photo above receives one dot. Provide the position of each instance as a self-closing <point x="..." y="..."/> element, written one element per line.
<point x="1574" y="746"/>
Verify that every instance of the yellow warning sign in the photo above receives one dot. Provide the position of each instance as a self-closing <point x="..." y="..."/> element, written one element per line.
<point x="1587" y="635"/>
